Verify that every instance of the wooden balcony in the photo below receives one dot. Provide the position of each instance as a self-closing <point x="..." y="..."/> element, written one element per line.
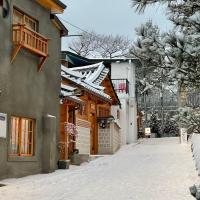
<point x="23" y="37"/>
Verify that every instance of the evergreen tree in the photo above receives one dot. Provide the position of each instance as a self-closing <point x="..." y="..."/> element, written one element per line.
<point x="189" y="118"/>
<point x="171" y="128"/>
<point x="155" y="125"/>
<point x="181" y="48"/>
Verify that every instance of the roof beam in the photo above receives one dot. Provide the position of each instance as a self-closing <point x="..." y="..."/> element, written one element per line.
<point x="56" y="8"/>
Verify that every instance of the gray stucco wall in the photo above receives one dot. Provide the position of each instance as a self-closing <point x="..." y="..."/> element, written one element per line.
<point x="26" y="92"/>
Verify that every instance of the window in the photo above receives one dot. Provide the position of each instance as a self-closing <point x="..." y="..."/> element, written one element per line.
<point x="83" y="110"/>
<point x="22" y="136"/>
<point x="21" y="18"/>
<point x="103" y="112"/>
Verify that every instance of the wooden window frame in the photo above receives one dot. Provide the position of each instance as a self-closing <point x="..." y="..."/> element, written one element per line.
<point x="19" y="135"/>
<point x="104" y="111"/>
<point x="83" y="111"/>
<point x="24" y="17"/>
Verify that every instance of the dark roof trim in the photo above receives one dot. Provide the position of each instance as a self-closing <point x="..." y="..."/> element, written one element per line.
<point x="63" y="30"/>
<point x="75" y="60"/>
<point x="112" y="60"/>
<point x="104" y="60"/>
<point x="119" y="103"/>
<point x="60" y="4"/>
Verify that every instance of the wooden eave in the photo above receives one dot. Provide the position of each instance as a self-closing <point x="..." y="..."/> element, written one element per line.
<point x="70" y="102"/>
<point x="86" y="90"/>
<point x="55" y="6"/>
<point x="107" y="83"/>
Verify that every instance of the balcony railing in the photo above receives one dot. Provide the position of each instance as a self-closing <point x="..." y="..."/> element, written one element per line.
<point x="23" y="37"/>
<point x="121" y="85"/>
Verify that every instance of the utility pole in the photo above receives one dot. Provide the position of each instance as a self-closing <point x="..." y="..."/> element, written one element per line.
<point x="162" y="102"/>
<point x="145" y="108"/>
<point x="162" y="112"/>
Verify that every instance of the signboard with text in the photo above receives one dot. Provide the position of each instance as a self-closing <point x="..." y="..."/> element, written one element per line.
<point x="147" y="131"/>
<point x="3" y="125"/>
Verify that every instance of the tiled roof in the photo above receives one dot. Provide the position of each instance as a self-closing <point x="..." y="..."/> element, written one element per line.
<point x="89" y="77"/>
<point x="67" y="92"/>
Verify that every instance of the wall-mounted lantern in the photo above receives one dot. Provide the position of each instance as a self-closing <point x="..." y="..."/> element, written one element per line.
<point x="104" y="121"/>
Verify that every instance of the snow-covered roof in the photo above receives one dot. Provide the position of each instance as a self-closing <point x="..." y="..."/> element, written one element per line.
<point x="67" y="87"/>
<point x="93" y="74"/>
<point x="69" y="95"/>
<point x="89" y="77"/>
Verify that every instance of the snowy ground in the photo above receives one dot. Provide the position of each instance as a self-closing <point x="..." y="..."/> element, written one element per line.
<point x="155" y="169"/>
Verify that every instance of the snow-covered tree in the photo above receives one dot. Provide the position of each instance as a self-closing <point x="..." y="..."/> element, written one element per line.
<point x="171" y="127"/>
<point x="155" y="125"/>
<point x="190" y="118"/>
<point x="182" y="46"/>
<point x="99" y="45"/>
<point x="151" y="50"/>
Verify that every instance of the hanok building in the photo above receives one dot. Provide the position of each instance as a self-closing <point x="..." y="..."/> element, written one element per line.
<point x="90" y="111"/>
<point x="122" y="74"/>
<point x="29" y="85"/>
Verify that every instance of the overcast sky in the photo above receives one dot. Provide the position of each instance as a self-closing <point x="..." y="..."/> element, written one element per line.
<point x="109" y="17"/>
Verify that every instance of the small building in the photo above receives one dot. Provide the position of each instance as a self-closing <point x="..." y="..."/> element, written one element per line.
<point x="29" y="86"/>
<point x="122" y="73"/>
<point x="89" y="111"/>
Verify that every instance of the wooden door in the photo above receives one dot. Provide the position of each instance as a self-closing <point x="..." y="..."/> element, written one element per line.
<point x="93" y="134"/>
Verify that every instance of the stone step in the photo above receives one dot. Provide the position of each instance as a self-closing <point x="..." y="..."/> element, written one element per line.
<point x="78" y="159"/>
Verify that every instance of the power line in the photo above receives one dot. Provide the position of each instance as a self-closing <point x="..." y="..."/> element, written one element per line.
<point x="74" y="25"/>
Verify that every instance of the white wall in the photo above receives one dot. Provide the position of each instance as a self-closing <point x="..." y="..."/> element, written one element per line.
<point x="128" y="120"/>
<point x="124" y="118"/>
<point x="114" y="110"/>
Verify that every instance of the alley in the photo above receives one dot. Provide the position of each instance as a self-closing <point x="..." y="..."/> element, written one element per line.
<point x="154" y="169"/>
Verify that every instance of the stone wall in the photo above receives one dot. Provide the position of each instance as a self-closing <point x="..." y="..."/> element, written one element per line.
<point x="83" y="139"/>
<point x="109" y="139"/>
<point x="104" y="140"/>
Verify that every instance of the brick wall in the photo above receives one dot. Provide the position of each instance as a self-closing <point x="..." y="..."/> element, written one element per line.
<point x="109" y="139"/>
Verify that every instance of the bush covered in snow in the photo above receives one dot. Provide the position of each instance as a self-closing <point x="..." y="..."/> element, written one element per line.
<point x="189" y="118"/>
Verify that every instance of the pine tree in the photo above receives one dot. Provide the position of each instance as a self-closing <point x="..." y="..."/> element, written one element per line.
<point x="155" y="125"/>
<point x="171" y="128"/>
<point x="183" y="46"/>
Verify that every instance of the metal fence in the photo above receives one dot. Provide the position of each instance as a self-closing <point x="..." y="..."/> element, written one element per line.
<point x="121" y="85"/>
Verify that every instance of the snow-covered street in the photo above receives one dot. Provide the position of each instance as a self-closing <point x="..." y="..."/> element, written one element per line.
<point x="155" y="169"/>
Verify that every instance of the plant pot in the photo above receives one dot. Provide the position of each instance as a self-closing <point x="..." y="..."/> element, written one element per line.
<point x="63" y="164"/>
